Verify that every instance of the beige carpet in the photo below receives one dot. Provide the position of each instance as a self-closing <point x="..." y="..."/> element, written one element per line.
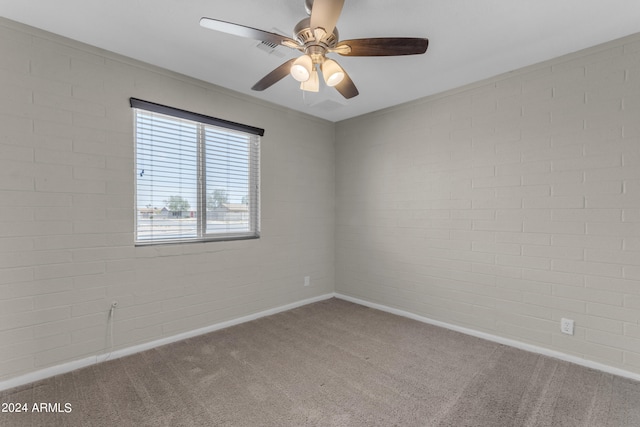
<point x="332" y="363"/>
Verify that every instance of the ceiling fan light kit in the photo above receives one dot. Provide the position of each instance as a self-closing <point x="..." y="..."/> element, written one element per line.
<point x="332" y="72"/>
<point x="301" y="68"/>
<point x="313" y="84"/>
<point x="317" y="36"/>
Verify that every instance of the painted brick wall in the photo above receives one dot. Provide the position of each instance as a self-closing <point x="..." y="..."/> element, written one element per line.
<point x="67" y="208"/>
<point x="502" y="206"/>
<point x="505" y="205"/>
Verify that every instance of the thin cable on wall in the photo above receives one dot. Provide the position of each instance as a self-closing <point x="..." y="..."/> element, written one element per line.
<point x="112" y="311"/>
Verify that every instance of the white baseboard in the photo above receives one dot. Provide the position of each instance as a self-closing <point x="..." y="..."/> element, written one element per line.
<point x="77" y="364"/>
<point x="500" y="340"/>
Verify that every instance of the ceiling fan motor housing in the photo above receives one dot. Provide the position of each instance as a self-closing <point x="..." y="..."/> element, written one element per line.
<point x="312" y="47"/>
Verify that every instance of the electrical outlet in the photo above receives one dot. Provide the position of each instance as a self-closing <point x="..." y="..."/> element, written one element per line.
<point x="307" y="280"/>
<point x="566" y="326"/>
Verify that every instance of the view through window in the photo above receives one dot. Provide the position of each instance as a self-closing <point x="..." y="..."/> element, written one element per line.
<point x="196" y="176"/>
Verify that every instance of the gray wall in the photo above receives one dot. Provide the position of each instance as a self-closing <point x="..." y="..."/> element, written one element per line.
<point x="67" y="208"/>
<point x="502" y="206"/>
<point x="505" y="205"/>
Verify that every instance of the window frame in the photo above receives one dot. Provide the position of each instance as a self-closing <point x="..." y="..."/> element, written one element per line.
<point x="253" y="168"/>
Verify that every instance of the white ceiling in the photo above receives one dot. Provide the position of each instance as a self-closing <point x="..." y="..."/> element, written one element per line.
<point x="469" y="40"/>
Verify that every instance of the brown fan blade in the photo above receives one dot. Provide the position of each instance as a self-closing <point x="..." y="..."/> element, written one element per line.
<point x="274" y="77"/>
<point x="325" y="14"/>
<point x="248" y="32"/>
<point x="346" y="87"/>
<point x="384" y="46"/>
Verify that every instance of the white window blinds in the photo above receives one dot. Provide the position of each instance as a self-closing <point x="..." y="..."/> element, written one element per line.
<point x="197" y="177"/>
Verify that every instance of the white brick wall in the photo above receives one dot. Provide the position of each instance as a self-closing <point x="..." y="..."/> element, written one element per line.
<point x="505" y="205"/>
<point x="67" y="213"/>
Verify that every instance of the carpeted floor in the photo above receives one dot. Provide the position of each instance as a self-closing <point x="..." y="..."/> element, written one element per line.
<point x="332" y="363"/>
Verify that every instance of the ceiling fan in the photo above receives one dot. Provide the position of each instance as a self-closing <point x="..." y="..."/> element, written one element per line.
<point x="317" y="36"/>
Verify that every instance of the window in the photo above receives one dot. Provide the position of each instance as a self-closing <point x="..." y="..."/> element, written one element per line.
<point x="197" y="177"/>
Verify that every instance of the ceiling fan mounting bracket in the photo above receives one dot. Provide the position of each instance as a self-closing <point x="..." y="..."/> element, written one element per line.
<point x="308" y="5"/>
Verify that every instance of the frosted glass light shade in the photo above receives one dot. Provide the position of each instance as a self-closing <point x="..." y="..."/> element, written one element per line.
<point x="301" y="68"/>
<point x="332" y="72"/>
<point x="313" y="84"/>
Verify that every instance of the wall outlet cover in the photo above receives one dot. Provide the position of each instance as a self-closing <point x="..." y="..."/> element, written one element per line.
<point x="566" y="326"/>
